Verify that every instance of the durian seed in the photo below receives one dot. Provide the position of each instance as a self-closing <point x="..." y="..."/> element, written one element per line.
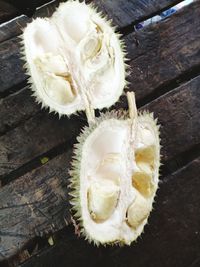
<point x="91" y="47"/>
<point x="102" y="199"/>
<point x="138" y="211"/>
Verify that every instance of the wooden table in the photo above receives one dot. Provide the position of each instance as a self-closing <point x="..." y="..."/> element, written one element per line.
<point x="36" y="147"/>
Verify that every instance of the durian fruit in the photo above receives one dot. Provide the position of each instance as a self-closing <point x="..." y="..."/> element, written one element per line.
<point x="114" y="175"/>
<point x="75" y="59"/>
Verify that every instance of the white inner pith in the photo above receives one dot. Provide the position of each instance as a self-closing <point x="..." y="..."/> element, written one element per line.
<point x="108" y="168"/>
<point x="75" y="59"/>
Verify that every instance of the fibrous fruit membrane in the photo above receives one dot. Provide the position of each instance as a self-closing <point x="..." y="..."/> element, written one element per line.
<point x="114" y="175"/>
<point x="75" y="59"/>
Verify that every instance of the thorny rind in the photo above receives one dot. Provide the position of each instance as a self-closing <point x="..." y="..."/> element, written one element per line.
<point x="141" y="119"/>
<point x="95" y="63"/>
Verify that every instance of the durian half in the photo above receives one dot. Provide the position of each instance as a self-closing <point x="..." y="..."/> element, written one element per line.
<point x="75" y="59"/>
<point x="114" y="175"/>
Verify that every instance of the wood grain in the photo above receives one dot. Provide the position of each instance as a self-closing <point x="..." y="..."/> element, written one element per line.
<point x="33" y="138"/>
<point x="34" y="204"/>
<point x="16" y="108"/>
<point x="124" y="13"/>
<point x="161" y="53"/>
<point x="178" y="114"/>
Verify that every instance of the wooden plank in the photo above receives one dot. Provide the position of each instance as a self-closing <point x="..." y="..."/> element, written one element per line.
<point x="165" y="51"/>
<point x="171" y="238"/>
<point x="17" y="108"/>
<point x="7" y="11"/>
<point x="33" y="138"/>
<point x="124" y="13"/>
<point x="12" y="72"/>
<point x="178" y="104"/>
<point x="34" y="204"/>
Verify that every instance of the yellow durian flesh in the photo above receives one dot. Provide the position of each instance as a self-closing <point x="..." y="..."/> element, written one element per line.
<point x="142" y="180"/>
<point x="102" y="199"/>
<point x="115" y="189"/>
<point x="75" y="60"/>
<point x="138" y="211"/>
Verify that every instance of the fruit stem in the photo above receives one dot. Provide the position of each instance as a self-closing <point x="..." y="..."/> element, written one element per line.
<point x="132" y="105"/>
<point x="90" y="114"/>
<point x="132" y="113"/>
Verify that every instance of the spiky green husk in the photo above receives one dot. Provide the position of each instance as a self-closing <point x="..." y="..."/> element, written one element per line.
<point x="74" y="182"/>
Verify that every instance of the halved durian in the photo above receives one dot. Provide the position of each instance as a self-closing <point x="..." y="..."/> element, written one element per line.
<point x="75" y="60"/>
<point x="112" y="187"/>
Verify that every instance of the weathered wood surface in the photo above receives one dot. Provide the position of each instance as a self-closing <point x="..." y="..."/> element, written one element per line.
<point x="172" y="238"/>
<point x="34" y="204"/>
<point x="127" y="14"/>
<point x="16" y="108"/>
<point x="164" y="52"/>
<point x="159" y="62"/>
<point x="33" y="138"/>
<point x="7" y="11"/>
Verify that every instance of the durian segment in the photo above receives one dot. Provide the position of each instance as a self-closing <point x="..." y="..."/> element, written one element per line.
<point x="102" y="199"/>
<point x="106" y="156"/>
<point x="142" y="179"/>
<point x="145" y="159"/>
<point x="147" y="150"/>
<point x="75" y="42"/>
<point x="146" y="154"/>
<point x="138" y="211"/>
